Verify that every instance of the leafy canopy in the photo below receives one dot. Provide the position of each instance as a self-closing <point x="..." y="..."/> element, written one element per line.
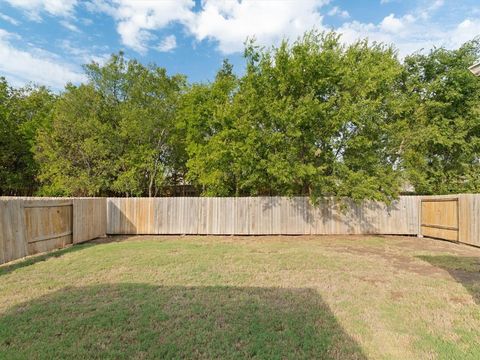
<point x="297" y="122"/>
<point x="311" y="117"/>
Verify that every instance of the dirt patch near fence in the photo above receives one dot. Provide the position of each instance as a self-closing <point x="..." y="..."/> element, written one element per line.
<point x="393" y="258"/>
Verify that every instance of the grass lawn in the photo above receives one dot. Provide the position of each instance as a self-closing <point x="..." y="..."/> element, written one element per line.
<point x="244" y="297"/>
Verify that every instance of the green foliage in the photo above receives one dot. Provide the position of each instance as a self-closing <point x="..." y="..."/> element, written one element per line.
<point x="148" y="114"/>
<point x="297" y="121"/>
<point x="111" y="135"/>
<point x="22" y="113"/>
<point x="75" y="155"/>
<point x="442" y="141"/>
<point x="314" y="117"/>
<point x="204" y="116"/>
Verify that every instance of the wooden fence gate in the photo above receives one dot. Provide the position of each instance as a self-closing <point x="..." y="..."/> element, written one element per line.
<point x="440" y="218"/>
<point x="48" y="225"/>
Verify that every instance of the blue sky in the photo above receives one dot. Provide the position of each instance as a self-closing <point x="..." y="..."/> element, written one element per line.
<point x="47" y="41"/>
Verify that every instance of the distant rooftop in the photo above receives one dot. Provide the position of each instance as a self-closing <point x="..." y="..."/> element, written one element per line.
<point x="475" y="69"/>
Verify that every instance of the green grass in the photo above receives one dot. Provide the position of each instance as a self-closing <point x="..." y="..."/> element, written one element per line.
<point x="244" y="297"/>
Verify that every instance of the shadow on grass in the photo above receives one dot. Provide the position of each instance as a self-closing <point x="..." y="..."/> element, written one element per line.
<point x="464" y="269"/>
<point x="145" y="321"/>
<point x="8" y="268"/>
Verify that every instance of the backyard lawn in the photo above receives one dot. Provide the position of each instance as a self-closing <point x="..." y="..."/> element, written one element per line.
<point x="244" y="297"/>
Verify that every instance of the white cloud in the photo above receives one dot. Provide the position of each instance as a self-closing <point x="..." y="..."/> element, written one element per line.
<point x="68" y="25"/>
<point x="465" y="31"/>
<point x="34" y="8"/>
<point x="411" y="33"/>
<point x="228" y="23"/>
<point x="426" y="12"/>
<point x="22" y="66"/>
<point x="87" y="21"/>
<point x="167" y="44"/>
<point x="392" y="24"/>
<point x="9" y="19"/>
<point x="137" y="18"/>
<point x="336" y="11"/>
<point x="415" y="31"/>
<point x="84" y="55"/>
<point x="225" y="23"/>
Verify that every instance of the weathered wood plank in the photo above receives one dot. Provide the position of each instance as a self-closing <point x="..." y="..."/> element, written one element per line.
<point x="445" y="234"/>
<point x="47" y="222"/>
<point x="260" y="216"/>
<point x="89" y="219"/>
<point x="12" y="230"/>
<point x="49" y="244"/>
<point x="469" y="219"/>
<point x="440" y="217"/>
<point x="47" y="202"/>
<point x="32" y="225"/>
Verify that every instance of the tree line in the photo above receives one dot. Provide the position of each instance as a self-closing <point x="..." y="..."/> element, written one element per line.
<point x="312" y="117"/>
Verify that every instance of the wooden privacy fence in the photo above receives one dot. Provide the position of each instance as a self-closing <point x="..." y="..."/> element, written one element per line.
<point x="439" y="218"/>
<point x="452" y="217"/>
<point x="48" y="224"/>
<point x="32" y="225"/>
<point x="260" y="216"/>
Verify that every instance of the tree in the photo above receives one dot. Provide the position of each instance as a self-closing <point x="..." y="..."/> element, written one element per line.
<point x="22" y="113"/>
<point x="301" y="116"/>
<point x="147" y="121"/>
<point x="311" y="117"/>
<point x="113" y="132"/>
<point x="75" y="153"/>
<point x="204" y="114"/>
<point x="441" y="149"/>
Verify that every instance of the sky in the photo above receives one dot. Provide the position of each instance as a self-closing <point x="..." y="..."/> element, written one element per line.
<point x="46" y="41"/>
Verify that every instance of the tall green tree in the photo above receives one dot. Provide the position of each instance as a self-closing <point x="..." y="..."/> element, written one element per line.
<point x="75" y="153"/>
<point x="312" y="117"/>
<point x="113" y="132"/>
<point x="205" y="118"/>
<point x="441" y="147"/>
<point x="23" y="112"/>
<point x="146" y="125"/>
